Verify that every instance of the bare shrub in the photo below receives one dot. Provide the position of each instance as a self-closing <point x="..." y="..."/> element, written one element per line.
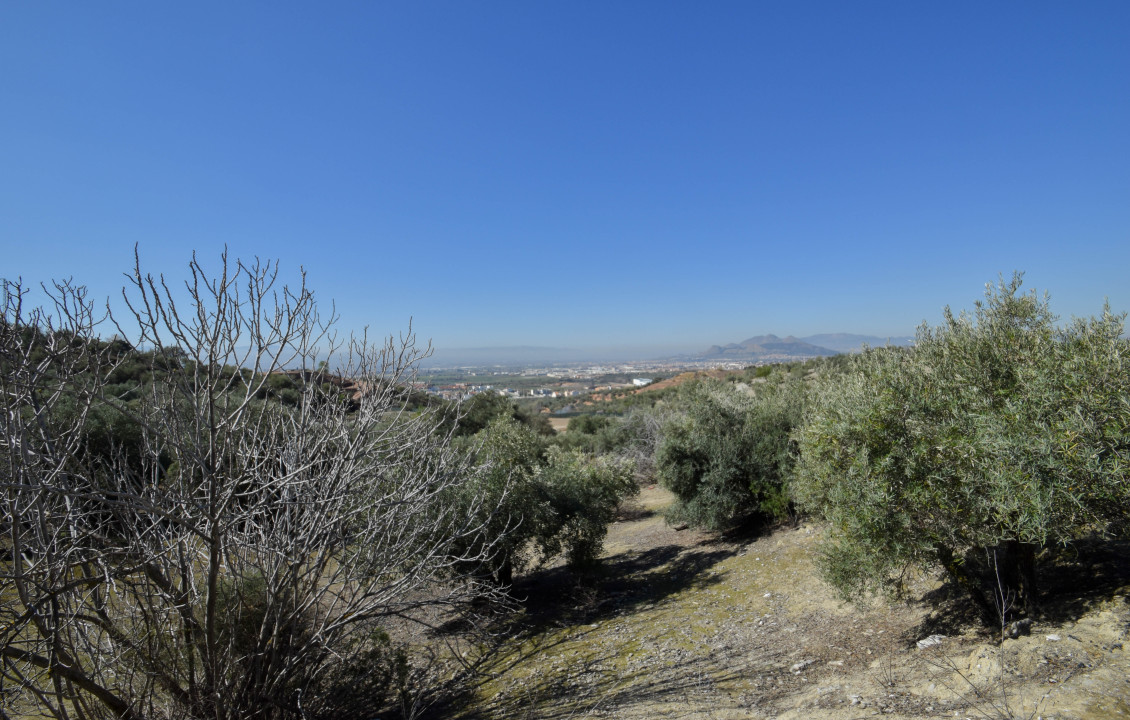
<point x="230" y="556"/>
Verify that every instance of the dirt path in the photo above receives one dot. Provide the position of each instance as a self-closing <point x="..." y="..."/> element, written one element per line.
<point x="685" y="625"/>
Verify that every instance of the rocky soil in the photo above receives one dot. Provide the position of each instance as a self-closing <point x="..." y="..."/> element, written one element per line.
<point x="690" y="625"/>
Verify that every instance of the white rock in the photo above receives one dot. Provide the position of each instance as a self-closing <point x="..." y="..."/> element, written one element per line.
<point x="931" y="641"/>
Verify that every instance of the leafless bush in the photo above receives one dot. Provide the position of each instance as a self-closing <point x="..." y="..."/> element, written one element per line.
<point x="992" y="699"/>
<point x="238" y="558"/>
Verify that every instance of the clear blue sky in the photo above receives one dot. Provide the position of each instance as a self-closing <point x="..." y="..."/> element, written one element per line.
<point x="579" y="174"/>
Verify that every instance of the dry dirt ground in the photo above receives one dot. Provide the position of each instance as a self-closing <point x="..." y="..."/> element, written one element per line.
<point x="691" y="625"/>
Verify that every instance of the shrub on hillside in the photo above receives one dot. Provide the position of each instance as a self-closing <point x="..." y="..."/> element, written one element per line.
<point x="539" y="502"/>
<point x="727" y="456"/>
<point x="476" y="413"/>
<point x="998" y="436"/>
<point x="583" y="495"/>
<point x="178" y="543"/>
<point x="589" y="424"/>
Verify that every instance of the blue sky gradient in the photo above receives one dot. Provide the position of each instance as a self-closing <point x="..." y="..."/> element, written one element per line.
<point x="645" y="174"/>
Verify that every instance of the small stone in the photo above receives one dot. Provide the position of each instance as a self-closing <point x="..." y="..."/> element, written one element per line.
<point x="930" y="641"/>
<point x="1053" y="638"/>
<point x="1015" y="629"/>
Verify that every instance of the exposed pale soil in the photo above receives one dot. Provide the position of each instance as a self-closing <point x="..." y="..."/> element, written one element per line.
<point x="690" y="625"/>
<point x="685" y="377"/>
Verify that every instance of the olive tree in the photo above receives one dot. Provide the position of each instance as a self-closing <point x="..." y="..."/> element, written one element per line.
<point x="543" y="501"/>
<point x="727" y="457"/>
<point x="999" y="435"/>
<point x="236" y="557"/>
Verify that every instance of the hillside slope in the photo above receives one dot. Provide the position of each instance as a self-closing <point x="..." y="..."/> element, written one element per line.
<point x="689" y="625"/>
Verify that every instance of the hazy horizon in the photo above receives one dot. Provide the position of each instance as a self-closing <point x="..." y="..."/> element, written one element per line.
<point x="527" y="354"/>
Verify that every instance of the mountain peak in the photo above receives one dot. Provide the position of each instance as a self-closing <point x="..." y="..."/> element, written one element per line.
<point x="762" y="348"/>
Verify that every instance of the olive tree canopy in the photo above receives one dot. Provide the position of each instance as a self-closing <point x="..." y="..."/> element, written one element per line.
<point x="999" y="434"/>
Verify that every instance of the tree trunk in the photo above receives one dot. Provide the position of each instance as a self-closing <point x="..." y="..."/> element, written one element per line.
<point x="504" y="575"/>
<point x="969" y="583"/>
<point x="1014" y="589"/>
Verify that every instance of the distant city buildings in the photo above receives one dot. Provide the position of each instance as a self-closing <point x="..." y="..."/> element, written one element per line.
<point x="559" y="378"/>
<point x="464" y="391"/>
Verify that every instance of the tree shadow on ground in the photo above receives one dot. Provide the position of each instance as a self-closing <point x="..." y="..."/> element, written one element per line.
<point x="953" y="612"/>
<point x="1073" y="580"/>
<point x="557" y="597"/>
<point x="586" y="688"/>
<point x="629" y="512"/>
<point x="554" y="598"/>
<point x="1083" y="574"/>
<point x="751" y="528"/>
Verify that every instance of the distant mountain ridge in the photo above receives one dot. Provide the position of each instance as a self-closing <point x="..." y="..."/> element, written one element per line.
<point x="761" y="348"/>
<point x="765" y="348"/>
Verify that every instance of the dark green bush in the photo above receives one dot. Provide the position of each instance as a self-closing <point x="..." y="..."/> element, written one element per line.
<point x="588" y="424"/>
<point x="727" y="457"/>
<point x="473" y="415"/>
<point x="539" y="502"/>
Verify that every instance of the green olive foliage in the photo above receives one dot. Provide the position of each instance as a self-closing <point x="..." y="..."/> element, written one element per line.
<point x="475" y="413"/>
<point x="541" y="501"/>
<point x="589" y="424"/>
<point x="583" y="494"/>
<point x="727" y="456"/>
<point x="999" y="435"/>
